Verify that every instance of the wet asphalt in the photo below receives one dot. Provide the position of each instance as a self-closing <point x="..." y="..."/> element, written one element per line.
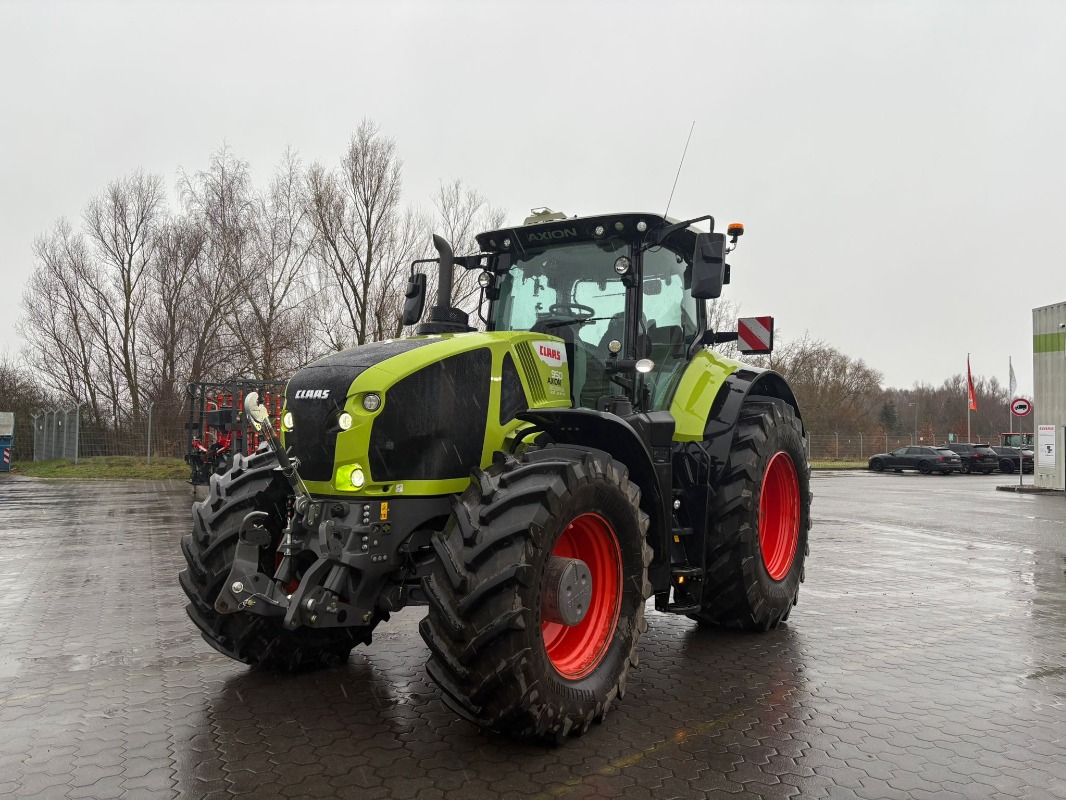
<point x="927" y="659"/>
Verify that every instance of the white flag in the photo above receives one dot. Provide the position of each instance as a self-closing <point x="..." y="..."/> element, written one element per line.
<point x="1013" y="380"/>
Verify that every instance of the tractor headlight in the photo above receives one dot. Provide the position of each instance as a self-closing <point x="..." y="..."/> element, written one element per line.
<point x="344" y="420"/>
<point x="371" y="401"/>
<point x="484" y="280"/>
<point x="645" y="365"/>
<point x="286" y="421"/>
<point x="358" y="478"/>
<point x="622" y="265"/>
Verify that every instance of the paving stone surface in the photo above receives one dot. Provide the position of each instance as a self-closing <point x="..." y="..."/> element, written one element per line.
<point x="927" y="658"/>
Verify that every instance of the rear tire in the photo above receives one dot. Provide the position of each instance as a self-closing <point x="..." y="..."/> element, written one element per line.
<point x="760" y="517"/>
<point x="925" y="467"/>
<point x="1006" y="465"/>
<point x="251" y="484"/>
<point x="966" y="467"/>
<point x="498" y="662"/>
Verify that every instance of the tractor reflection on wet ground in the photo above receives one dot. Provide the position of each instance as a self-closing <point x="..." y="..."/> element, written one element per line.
<point x="926" y="658"/>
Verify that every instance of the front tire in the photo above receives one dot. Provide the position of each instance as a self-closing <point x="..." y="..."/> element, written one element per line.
<point x="877" y="465"/>
<point x="251" y="484"/>
<point x="966" y="467"/>
<point x="497" y="656"/>
<point x="1007" y="466"/>
<point x="760" y="517"/>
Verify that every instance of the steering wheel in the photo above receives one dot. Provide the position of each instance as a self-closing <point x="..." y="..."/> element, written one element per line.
<point x="573" y="309"/>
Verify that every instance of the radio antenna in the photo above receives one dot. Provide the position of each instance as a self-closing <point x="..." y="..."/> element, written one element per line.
<point x="679" y="166"/>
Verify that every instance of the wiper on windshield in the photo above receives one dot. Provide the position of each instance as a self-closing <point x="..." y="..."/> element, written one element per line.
<point x="578" y="321"/>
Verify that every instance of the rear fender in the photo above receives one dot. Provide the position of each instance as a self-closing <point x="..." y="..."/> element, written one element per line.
<point x="724" y="411"/>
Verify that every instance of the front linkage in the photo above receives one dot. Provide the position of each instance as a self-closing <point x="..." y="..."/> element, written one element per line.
<point x="339" y="564"/>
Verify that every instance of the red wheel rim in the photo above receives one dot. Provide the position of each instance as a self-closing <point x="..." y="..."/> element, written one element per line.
<point x="576" y="650"/>
<point x="779" y="515"/>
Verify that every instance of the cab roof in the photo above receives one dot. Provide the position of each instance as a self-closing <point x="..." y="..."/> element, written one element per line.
<point x="538" y="235"/>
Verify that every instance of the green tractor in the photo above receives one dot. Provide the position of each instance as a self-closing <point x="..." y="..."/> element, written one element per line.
<point x="533" y="484"/>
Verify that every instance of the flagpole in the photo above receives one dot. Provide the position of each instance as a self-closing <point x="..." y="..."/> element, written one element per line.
<point x="968" y="379"/>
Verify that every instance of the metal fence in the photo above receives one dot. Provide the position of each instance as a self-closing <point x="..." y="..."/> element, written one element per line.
<point x="55" y="435"/>
<point x="860" y="446"/>
<point x="66" y="434"/>
<point x="59" y="434"/>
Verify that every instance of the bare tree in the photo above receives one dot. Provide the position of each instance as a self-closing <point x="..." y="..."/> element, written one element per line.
<point x="364" y="237"/>
<point x="462" y="213"/>
<point x="272" y="317"/>
<point x="220" y="201"/>
<point x="21" y="393"/>
<point x="140" y="300"/>
<point x="121" y="224"/>
<point x="835" y="391"/>
<point x="175" y="311"/>
<point x="61" y="342"/>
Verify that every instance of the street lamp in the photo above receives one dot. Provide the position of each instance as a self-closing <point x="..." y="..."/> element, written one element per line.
<point x="915" y="404"/>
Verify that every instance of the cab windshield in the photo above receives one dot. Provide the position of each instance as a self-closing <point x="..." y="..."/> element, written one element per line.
<point x="573" y="292"/>
<point x="571" y="286"/>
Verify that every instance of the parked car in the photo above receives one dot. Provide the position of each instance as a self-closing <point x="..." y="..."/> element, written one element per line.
<point x="924" y="459"/>
<point x="1011" y="458"/>
<point x="975" y="457"/>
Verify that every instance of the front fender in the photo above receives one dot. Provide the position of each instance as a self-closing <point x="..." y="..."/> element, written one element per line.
<point x="621" y="439"/>
<point x="710" y="414"/>
<point x="711" y="391"/>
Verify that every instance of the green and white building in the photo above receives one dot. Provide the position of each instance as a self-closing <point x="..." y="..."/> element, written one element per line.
<point x="1049" y="402"/>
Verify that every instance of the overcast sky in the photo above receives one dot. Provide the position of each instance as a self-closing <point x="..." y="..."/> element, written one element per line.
<point x="900" y="166"/>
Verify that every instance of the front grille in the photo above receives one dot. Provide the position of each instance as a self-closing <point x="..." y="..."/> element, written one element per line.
<point x="432" y="426"/>
<point x="314" y="436"/>
<point x="512" y="396"/>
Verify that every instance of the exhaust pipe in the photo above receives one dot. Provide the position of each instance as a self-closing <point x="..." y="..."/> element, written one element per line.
<point x="442" y="317"/>
<point x="444" y="280"/>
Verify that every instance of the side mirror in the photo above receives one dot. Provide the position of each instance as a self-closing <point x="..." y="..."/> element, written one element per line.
<point x="709" y="270"/>
<point x="415" y="299"/>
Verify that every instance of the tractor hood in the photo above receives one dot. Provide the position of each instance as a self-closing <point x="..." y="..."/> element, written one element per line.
<point x="416" y="415"/>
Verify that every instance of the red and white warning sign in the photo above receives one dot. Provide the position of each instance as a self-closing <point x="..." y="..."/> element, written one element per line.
<point x="1020" y="407"/>
<point x="7" y="457"/>
<point x="755" y="335"/>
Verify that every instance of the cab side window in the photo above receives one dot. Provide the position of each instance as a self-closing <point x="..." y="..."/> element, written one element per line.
<point x="669" y="322"/>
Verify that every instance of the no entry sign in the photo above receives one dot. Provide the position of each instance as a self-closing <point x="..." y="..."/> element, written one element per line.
<point x="1020" y="407"/>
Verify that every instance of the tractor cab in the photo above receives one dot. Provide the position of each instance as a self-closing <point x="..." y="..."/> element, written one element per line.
<point x="618" y="290"/>
<point x="613" y="302"/>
